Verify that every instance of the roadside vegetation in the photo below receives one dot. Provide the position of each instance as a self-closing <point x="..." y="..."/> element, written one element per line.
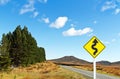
<point x="45" y="70"/>
<point x="111" y="70"/>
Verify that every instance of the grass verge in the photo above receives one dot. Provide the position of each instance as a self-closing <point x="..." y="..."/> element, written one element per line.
<point x="46" y="70"/>
<point x="109" y="70"/>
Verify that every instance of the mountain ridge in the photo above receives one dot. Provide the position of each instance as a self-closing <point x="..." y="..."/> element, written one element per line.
<point x="72" y="60"/>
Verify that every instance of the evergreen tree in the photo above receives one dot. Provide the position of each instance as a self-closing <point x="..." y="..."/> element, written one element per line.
<point x="40" y="54"/>
<point x="16" y="49"/>
<point x="20" y="48"/>
<point x="4" y="54"/>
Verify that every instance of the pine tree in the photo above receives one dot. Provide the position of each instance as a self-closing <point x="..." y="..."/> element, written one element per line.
<point x="40" y="54"/>
<point x="16" y="49"/>
<point x="4" y="54"/>
<point x="20" y="48"/>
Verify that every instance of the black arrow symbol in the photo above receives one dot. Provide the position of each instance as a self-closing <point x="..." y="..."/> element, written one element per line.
<point x="93" y="46"/>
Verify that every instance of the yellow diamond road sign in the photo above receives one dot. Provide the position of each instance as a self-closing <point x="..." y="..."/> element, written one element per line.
<point x="94" y="46"/>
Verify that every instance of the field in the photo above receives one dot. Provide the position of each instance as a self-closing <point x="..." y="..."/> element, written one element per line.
<point x="46" y="70"/>
<point x="111" y="70"/>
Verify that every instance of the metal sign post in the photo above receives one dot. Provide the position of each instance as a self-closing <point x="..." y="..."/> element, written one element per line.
<point x="94" y="68"/>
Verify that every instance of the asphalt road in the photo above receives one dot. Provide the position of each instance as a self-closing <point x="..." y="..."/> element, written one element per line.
<point x="90" y="73"/>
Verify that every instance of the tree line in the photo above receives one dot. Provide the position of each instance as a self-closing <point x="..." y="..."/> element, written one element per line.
<point x="19" y="48"/>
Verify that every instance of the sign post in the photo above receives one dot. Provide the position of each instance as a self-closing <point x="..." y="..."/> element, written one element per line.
<point x="94" y="47"/>
<point x="94" y="68"/>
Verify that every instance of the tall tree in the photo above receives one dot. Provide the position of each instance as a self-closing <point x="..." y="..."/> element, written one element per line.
<point x="20" y="48"/>
<point x="40" y="54"/>
<point x="4" y="53"/>
<point x="16" y="49"/>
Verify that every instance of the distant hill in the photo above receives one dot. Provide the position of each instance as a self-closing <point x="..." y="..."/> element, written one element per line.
<point x="109" y="63"/>
<point x="104" y="63"/>
<point x="116" y="63"/>
<point x="71" y="60"/>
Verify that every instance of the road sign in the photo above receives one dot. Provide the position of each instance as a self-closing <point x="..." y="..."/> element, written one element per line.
<point x="94" y="46"/>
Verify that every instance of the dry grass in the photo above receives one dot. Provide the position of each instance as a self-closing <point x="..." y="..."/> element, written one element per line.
<point x="38" y="68"/>
<point x="85" y="67"/>
<point x="112" y="70"/>
<point x="46" y="70"/>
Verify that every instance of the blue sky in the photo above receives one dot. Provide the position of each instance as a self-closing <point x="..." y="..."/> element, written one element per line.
<point x="62" y="27"/>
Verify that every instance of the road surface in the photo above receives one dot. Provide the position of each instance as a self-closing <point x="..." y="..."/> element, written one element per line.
<point x="90" y="73"/>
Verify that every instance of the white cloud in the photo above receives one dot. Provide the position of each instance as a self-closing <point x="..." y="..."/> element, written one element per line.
<point x="73" y="32"/>
<point x="4" y="2"/>
<point x="46" y="20"/>
<point x="117" y="11"/>
<point x="59" y="23"/>
<point x="35" y="14"/>
<point x="112" y="5"/>
<point x="28" y="7"/>
<point x="108" y="5"/>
